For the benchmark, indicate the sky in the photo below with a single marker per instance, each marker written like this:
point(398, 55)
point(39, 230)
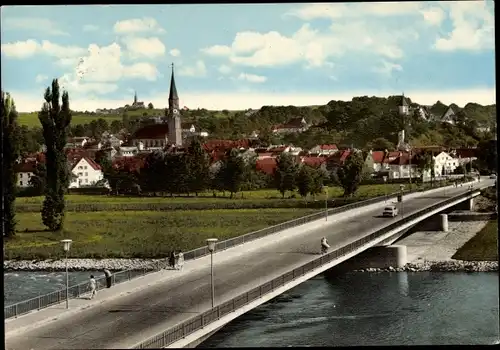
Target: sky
point(239, 56)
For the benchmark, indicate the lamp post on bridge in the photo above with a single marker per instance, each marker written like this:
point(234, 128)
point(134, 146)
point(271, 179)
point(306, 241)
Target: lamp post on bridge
point(211, 247)
point(66, 246)
point(385, 187)
point(325, 188)
point(402, 187)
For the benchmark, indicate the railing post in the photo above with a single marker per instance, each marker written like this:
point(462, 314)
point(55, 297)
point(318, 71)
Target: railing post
point(164, 340)
point(128, 275)
point(234, 307)
point(260, 290)
point(58, 296)
point(15, 311)
point(39, 302)
point(79, 291)
point(184, 330)
point(218, 311)
point(248, 297)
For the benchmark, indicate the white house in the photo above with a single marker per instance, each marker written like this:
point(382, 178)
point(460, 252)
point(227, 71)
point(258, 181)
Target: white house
point(188, 129)
point(292, 126)
point(325, 150)
point(130, 151)
point(87, 173)
point(75, 142)
point(25, 171)
point(444, 164)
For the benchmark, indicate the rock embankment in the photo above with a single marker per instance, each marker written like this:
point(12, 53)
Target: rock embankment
point(84, 264)
point(440, 266)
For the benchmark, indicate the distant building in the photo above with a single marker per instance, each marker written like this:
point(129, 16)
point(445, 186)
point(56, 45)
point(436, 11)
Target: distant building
point(87, 173)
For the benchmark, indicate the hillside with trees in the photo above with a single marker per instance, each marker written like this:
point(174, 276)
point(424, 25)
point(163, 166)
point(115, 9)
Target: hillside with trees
point(364, 122)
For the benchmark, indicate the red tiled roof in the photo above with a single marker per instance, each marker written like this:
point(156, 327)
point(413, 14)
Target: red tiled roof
point(266, 165)
point(378, 156)
point(152, 131)
point(25, 167)
point(92, 163)
point(278, 149)
point(225, 144)
point(295, 123)
point(327, 147)
point(264, 155)
point(313, 161)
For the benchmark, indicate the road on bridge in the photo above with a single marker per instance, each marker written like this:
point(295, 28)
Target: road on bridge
point(131, 319)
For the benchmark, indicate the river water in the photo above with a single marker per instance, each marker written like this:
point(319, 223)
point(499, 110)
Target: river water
point(423, 308)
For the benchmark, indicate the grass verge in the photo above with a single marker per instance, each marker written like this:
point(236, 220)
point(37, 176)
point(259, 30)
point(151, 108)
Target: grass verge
point(138, 234)
point(482, 247)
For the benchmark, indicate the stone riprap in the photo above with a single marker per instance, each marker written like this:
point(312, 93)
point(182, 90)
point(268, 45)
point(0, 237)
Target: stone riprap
point(84, 264)
point(441, 266)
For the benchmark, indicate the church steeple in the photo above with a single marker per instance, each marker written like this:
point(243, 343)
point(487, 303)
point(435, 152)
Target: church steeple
point(135, 98)
point(173, 98)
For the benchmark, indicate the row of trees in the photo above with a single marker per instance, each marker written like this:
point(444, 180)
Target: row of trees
point(190, 173)
point(54, 176)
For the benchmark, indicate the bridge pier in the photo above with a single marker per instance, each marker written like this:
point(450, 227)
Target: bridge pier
point(376, 257)
point(466, 205)
point(444, 222)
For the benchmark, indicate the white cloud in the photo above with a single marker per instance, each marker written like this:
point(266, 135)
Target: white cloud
point(252, 78)
point(27, 102)
point(340, 10)
point(39, 25)
point(90, 28)
point(138, 25)
point(40, 78)
point(313, 46)
point(28, 48)
point(144, 47)
point(175, 52)
point(20, 49)
point(387, 68)
point(433, 15)
point(473, 27)
point(217, 50)
point(224, 69)
point(198, 70)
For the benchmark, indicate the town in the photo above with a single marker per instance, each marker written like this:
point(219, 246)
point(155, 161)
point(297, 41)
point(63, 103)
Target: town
point(169, 134)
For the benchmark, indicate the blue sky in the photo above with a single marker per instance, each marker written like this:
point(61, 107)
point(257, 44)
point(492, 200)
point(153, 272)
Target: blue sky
point(249, 55)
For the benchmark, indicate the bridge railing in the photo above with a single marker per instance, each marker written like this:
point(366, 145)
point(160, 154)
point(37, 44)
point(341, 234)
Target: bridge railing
point(79, 290)
point(198, 322)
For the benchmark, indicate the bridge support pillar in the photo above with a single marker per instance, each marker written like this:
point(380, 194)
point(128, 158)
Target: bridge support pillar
point(375, 257)
point(444, 222)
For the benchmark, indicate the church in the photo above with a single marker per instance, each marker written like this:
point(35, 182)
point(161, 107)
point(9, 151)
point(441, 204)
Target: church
point(167, 133)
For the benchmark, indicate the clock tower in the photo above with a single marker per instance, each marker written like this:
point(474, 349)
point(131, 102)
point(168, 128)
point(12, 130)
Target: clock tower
point(173, 115)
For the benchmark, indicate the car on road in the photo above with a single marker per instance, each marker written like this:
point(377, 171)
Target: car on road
point(390, 211)
point(493, 176)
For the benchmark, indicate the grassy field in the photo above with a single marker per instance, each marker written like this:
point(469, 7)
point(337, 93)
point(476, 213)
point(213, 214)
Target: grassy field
point(333, 192)
point(31, 119)
point(144, 234)
point(482, 247)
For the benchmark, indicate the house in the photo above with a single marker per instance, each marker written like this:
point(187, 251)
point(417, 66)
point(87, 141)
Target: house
point(444, 164)
point(77, 142)
point(399, 168)
point(292, 126)
point(87, 173)
point(278, 149)
point(25, 170)
point(375, 161)
point(128, 151)
point(151, 136)
point(189, 129)
point(448, 116)
point(267, 165)
point(314, 162)
point(324, 150)
point(337, 160)
point(464, 155)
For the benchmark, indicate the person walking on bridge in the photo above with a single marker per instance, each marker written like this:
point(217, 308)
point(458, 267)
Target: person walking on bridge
point(171, 259)
point(180, 260)
point(324, 245)
point(93, 287)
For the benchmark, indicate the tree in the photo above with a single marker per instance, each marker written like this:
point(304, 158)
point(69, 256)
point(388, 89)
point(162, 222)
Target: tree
point(233, 172)
point(55, 119)
point(285, 173)
point(319, 177)
point(425, 162)
point(487, 155)
point(38, 181)
point(198, 167)
point(152, 175)
point(10, 154)
point(305, 180)
point(381, 144)
point(150, 105)
point(349, 175)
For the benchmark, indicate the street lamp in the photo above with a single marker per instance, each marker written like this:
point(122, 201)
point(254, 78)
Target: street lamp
point(66, 246)
point(385, 187)
point(326, 202)
point(211, 247)
point(402, 187)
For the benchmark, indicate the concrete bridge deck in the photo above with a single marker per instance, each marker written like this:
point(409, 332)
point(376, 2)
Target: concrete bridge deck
point(115, 320)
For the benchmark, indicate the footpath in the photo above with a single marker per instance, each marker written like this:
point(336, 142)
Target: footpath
point(27, 322)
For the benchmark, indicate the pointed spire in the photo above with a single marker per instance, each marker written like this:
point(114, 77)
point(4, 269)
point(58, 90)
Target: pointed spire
point(403, 100)
point(173, 89)
point(135, 97)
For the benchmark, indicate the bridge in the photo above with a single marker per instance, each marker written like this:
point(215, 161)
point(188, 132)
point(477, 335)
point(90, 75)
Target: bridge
point(173, 308)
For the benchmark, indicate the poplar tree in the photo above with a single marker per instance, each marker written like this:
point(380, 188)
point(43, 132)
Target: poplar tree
point(10, 154)
point(285, 173)
point(198, 175)
point(55, 119)
point(350, 174)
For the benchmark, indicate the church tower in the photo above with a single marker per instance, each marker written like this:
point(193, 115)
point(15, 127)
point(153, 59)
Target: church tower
point(173, 115)
point(403, 107)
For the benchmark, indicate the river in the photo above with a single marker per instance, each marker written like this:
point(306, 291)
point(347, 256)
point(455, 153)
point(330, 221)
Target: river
point(424, 308)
